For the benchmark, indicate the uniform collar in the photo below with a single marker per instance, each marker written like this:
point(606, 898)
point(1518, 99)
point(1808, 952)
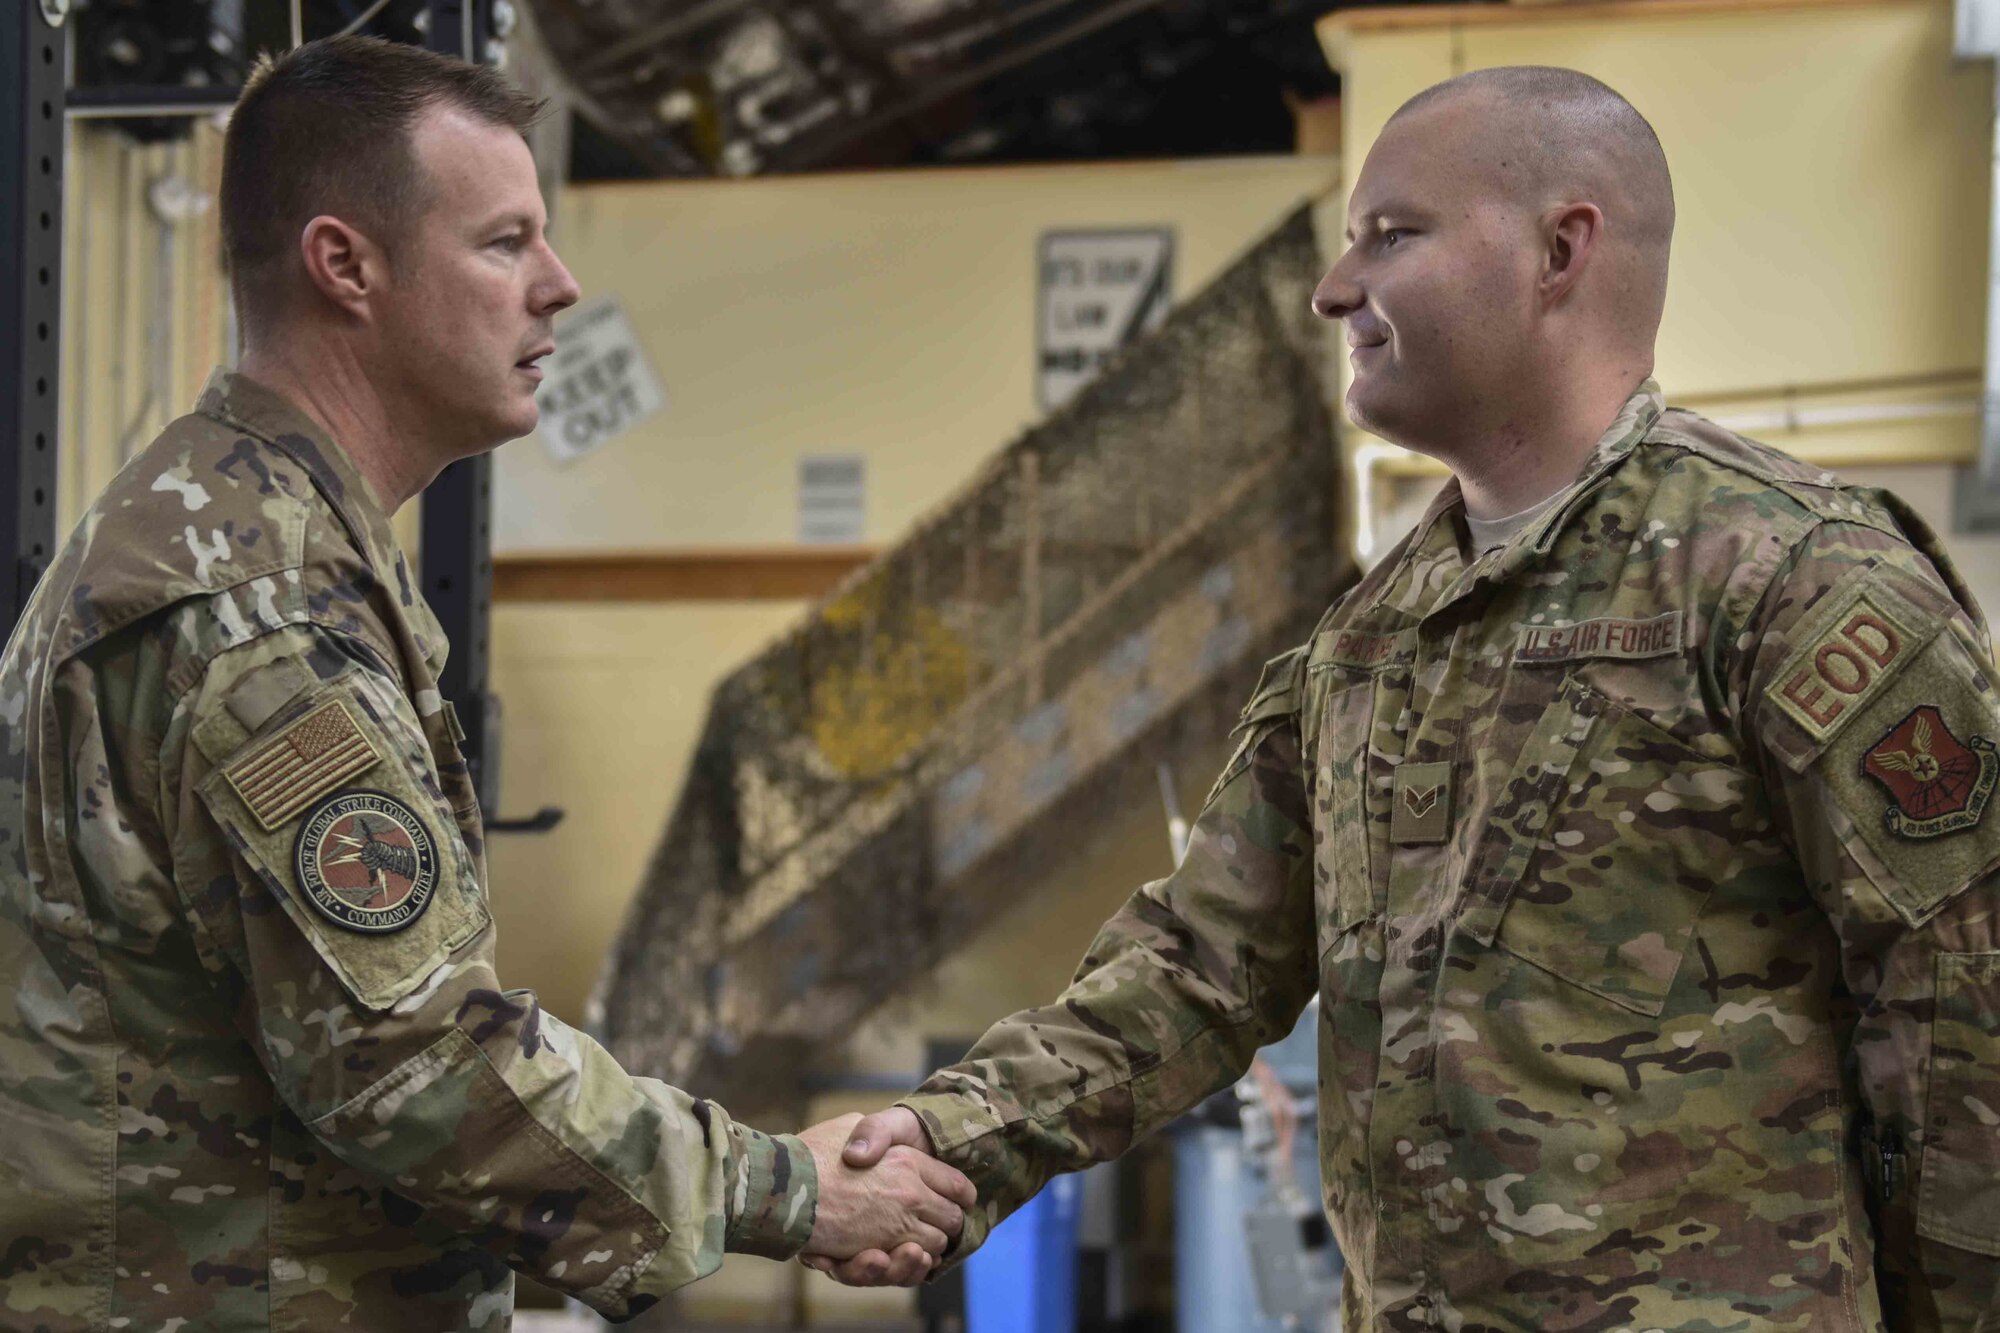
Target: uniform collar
point(1433, 572)
point(236, 400)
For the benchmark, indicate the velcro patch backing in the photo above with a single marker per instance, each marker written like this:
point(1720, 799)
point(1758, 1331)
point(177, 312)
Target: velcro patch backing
point(1913, 775)
point(306, 759)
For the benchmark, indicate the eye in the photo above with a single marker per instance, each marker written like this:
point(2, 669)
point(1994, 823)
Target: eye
point(511, 242)
point(1391, 235)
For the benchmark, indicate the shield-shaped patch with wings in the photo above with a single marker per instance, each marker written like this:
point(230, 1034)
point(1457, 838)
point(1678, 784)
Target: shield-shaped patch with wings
point(1938, 783)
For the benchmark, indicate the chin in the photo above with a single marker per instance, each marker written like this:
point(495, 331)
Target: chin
point(1367, 415)
point(513, 425)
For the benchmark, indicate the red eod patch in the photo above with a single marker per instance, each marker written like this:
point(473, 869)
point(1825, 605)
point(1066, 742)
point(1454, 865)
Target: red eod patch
point(1829, 680)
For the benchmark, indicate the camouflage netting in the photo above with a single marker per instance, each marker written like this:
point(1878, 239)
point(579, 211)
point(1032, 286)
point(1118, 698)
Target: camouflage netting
point(949, 728)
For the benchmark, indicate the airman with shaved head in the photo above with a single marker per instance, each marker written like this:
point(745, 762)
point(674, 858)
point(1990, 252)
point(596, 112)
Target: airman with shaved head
point(1632, 819)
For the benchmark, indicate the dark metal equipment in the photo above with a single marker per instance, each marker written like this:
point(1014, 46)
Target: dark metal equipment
point(32, 60)
point(740, 87)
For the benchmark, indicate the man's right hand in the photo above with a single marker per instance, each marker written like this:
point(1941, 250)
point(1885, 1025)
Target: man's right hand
point(885, 1212)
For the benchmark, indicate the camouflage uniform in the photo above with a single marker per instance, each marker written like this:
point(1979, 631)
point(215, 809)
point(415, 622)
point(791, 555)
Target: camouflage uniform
point(1643, 867)
point(257, 1071)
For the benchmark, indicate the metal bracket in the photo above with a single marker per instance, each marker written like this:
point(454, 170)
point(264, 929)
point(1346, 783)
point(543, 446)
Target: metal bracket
point(32, 67)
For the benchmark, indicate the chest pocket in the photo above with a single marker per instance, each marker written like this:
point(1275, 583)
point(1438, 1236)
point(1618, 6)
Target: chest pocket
point(1344, 869)
point(1349, 908)
point(1602, 848)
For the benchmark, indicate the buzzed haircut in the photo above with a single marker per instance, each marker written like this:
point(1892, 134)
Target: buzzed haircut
point(325, 129)
point(1584, 133)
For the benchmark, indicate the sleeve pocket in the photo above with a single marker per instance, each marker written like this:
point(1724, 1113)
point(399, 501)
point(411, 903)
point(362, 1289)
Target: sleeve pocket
point(1959, 1193)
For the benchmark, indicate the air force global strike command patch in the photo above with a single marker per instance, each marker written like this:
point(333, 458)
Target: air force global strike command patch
point(1939, 784)
point(366, 861)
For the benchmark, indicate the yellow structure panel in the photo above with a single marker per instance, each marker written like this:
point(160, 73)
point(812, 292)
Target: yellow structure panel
point(889, 315)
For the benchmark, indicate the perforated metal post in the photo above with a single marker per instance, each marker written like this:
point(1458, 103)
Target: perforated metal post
point(31, 171)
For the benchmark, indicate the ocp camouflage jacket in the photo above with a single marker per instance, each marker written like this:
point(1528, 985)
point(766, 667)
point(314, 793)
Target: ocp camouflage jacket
point(256, 1071)
point(1644, 867)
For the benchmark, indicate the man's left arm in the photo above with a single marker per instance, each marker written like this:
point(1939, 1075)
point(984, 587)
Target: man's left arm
point(1870, 697)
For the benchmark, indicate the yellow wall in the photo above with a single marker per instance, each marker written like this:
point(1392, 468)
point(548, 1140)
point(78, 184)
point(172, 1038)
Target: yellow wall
point(890, 315)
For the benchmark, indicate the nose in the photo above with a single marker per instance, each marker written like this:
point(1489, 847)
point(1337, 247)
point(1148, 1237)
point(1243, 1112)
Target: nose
point(1337, 295)
point(558, 290)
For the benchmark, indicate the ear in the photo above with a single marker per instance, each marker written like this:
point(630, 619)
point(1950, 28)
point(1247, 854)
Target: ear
point(1570, 236)
point(345, 266)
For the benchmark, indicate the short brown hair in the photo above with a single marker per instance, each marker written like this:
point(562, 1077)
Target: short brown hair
point(325, 129)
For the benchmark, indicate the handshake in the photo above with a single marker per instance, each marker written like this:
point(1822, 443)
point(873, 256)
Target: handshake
point(888, 1209)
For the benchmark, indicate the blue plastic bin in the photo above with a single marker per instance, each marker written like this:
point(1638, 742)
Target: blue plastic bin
point(1023, 1279)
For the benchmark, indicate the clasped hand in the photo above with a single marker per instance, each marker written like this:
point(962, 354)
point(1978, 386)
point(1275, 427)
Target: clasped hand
point(888, 1210)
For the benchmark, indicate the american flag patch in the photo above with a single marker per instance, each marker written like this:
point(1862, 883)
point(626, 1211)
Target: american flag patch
point(318, 751)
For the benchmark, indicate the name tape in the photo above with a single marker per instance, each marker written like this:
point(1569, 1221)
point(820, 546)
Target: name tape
point(1363, 648)
point(1611, 636)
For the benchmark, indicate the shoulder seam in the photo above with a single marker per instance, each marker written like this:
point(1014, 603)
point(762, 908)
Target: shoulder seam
point(286, 560)
point(1812, 497)
point(198, 670)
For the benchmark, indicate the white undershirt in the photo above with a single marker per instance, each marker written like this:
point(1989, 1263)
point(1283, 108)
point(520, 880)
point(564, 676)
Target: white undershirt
point(1489, 534)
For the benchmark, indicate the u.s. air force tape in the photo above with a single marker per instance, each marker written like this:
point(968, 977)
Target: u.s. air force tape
point(366, 861)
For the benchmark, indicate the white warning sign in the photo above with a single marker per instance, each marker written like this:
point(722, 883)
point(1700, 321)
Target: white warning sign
point(1099, 291)
point(599, 383)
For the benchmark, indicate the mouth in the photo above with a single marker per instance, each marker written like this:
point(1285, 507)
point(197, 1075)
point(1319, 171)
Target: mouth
point(529, 364)
point(1358, 350)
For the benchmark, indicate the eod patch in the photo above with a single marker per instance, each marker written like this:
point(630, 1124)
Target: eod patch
point(366, 861)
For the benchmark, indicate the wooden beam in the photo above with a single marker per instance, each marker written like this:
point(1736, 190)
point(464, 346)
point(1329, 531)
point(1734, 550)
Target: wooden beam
point(729, 574)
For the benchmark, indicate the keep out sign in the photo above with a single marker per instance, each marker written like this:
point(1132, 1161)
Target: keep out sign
point(600, 383)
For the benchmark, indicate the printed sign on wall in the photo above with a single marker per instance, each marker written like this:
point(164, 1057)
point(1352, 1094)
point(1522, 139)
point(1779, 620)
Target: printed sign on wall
point(1099, 291)
point(599, 383)
point(833, 498)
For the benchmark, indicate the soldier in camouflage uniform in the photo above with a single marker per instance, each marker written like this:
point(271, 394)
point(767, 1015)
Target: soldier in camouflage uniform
point(1644, 859)
point(256, 1070)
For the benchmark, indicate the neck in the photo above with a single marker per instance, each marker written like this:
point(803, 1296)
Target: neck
point(325, 380)
point(1537, 451)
